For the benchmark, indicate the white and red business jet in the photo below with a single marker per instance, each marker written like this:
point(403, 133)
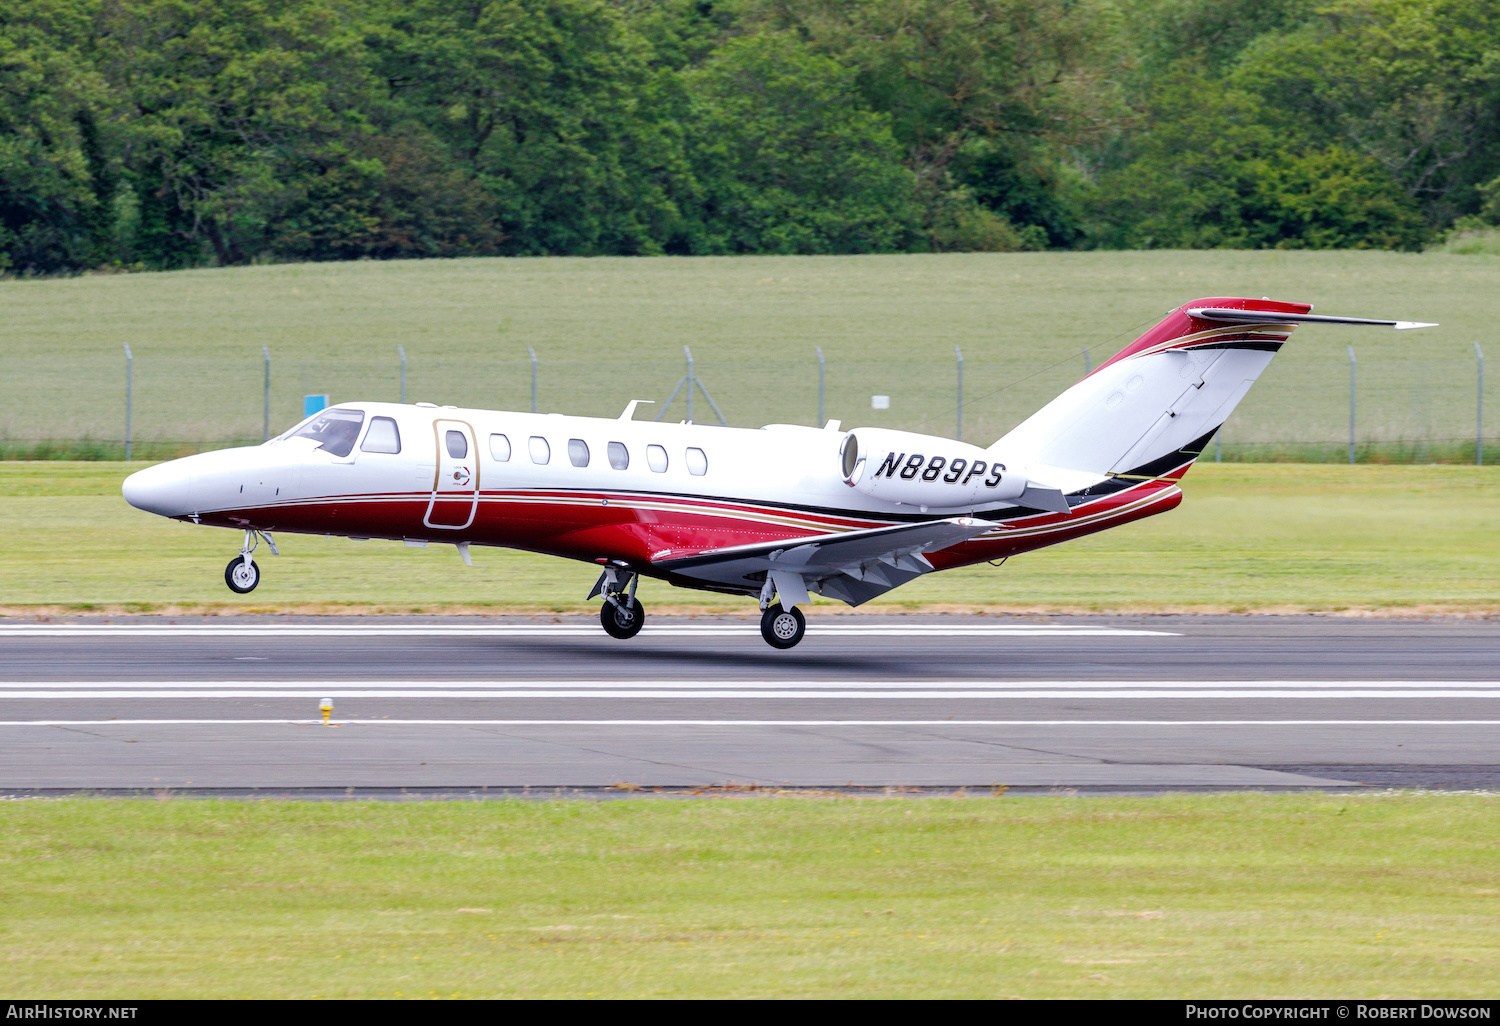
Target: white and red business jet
point(775, 513)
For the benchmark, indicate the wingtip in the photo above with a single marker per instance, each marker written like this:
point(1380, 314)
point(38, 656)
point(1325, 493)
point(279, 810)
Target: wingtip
point(1405, 325)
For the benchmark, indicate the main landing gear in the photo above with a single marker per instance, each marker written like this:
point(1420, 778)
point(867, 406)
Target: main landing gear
point(621, 614)
point(243, 573)
point(782, 628)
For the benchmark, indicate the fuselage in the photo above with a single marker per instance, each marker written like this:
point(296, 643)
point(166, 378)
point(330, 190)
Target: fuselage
point(636, 493)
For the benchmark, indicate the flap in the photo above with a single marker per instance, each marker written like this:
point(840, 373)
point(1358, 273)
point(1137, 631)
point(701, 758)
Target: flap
point(864, 563)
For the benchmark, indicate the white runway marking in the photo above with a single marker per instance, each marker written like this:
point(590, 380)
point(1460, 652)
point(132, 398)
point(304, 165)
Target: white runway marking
point(658, 689)
point(763, 723)
point(547, 630)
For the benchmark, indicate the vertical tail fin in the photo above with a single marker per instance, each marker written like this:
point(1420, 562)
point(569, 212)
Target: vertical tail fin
point(1150, 409)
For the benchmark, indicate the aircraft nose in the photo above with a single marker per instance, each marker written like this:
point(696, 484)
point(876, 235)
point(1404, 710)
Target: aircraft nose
point(162, 489)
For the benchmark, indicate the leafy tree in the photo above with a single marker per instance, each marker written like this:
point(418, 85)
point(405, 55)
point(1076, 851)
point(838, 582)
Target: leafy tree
point(56, 182)
point(225, 101)
point(1414, 85)
point(172, 133)
point(1204, 37)
point(789, 160)
point(1209, 172)
point(392, 196)
point(983, 94)
point(553, 106)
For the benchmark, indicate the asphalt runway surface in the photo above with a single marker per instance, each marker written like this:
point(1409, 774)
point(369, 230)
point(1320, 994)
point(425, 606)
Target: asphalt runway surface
point(468, 706)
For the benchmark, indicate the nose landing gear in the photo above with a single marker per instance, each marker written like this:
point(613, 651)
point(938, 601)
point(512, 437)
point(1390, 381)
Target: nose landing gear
point(243, 573)
point(622, 614)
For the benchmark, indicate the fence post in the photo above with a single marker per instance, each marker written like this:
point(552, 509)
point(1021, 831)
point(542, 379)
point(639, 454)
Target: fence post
point(265, 410)
point(401, 350)
point(1479, 411)
point(692, 379)
point(533, 377)
point(129, 369)
point(1353, 365)
point(822, 374)
point(960, 354)
point(1088, 364)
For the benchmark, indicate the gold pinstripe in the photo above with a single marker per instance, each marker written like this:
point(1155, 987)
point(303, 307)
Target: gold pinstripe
point(1272, 332)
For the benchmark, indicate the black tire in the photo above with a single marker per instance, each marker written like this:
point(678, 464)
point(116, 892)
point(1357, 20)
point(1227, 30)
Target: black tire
point(782, 628)
point(623, 620)
point(239, 581)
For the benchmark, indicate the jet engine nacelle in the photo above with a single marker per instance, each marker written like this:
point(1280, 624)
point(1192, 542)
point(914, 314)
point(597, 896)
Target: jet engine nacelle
point(924, 470)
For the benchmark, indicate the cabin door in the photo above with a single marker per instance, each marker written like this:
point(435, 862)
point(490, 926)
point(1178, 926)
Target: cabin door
point(455, 490)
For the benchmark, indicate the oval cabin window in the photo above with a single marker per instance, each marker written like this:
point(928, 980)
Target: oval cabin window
point(578, 452)
point(619, 456)
point(500, 448)
point(697, 462)
point(458, 445)
point(656, 458)
point(541, 452)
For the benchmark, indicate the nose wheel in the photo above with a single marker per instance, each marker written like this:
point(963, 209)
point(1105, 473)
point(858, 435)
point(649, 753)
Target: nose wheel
point(243, 574)
point(782, 628)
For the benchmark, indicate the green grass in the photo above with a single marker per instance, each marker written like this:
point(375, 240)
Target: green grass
point(1247, 537)
point(609, 330)
point(1473, 242)
point(1204, 896)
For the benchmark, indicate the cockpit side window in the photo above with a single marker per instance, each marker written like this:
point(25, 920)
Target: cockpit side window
point(383, 436)
point(335, 430)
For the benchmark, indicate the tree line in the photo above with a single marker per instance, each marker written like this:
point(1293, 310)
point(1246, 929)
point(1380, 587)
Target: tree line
point(177, 133)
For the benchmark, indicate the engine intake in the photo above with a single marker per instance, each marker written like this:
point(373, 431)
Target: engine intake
point(925, 470)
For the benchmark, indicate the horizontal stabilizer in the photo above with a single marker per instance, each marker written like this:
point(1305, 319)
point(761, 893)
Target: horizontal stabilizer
point(1274, 317)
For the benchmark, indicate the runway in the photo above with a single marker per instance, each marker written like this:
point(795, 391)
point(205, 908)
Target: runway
point(482, 706)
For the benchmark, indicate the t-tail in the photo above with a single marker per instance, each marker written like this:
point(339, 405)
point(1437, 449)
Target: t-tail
point(1149, 411)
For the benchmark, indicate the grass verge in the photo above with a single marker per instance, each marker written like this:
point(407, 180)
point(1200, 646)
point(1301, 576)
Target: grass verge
point(607, 330)
point(1211, 895)
point(1248, 538)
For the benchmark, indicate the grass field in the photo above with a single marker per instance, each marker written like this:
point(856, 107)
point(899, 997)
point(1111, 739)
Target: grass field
point(609, 330)
point(1248, 537)
point(1188, 896)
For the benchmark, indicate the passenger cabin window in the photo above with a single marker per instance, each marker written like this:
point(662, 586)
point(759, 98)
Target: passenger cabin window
point(383, 436)
point(541, 452)
point(458, 444)
point(578, 452)
point(500, 448)
point(656, 458)
point(697, 462)
point(619, 456)
point(334, 430)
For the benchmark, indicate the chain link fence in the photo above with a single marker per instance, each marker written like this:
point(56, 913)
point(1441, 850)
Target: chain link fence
point(1420, 410)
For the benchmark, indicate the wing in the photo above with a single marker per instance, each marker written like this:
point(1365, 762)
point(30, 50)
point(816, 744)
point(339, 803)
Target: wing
point(853, 567)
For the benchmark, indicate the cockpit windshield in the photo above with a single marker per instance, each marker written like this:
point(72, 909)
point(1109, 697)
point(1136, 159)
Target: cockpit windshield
point(334, 430)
